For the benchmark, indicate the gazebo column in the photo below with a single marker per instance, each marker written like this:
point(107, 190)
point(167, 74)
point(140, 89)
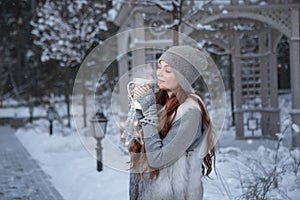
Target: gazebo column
point(238, 98)
point(275, 114)
point(295, 76)
point(138, 61)
point(138, 53)
point(264, 92)
point(123, 72)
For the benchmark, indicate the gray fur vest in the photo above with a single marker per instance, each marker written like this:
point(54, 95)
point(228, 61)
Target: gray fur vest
point(179, 181)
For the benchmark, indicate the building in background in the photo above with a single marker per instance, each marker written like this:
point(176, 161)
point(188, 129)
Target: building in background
point(244, 36)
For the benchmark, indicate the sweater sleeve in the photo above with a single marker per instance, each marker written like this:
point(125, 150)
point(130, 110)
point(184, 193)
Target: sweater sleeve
point(183, 133)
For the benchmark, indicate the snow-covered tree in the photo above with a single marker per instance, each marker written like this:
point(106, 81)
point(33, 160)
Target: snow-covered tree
point(15, 43)
point(67, 30)
point(180, 10)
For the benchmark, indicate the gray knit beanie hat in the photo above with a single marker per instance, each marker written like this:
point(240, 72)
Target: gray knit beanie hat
point(187, 63)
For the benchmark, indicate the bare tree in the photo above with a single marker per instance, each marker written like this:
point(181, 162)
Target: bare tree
point(176, 13)
point(262, 181)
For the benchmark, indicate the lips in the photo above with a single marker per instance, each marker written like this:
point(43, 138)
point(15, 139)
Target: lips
point(160, 81)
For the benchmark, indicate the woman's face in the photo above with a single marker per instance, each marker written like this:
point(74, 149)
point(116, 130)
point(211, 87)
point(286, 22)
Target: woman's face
point(166, 77)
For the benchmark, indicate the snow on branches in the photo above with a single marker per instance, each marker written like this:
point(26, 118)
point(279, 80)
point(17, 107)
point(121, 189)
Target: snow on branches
point(65, 30)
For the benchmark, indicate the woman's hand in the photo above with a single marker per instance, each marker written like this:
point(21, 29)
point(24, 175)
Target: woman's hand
point(145, 96)
point(140, 90)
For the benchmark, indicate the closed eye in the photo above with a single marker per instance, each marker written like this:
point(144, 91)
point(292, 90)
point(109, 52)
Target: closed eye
point(168, 70)
point(165, 67)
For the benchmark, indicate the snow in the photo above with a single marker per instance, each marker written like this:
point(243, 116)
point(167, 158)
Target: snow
point(176, 2)
point(204, 27)
point(296, 128)
point(72, 167)
point(199, 4)
point(174, 23)
point(224, 12)
point(102, 25)
point(51, 28)
point(19, 112)
point(112, 13)
point(166, 5)
point(279, 136)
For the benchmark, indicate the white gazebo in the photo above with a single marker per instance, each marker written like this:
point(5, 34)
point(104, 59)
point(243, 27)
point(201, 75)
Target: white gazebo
point(248, 30)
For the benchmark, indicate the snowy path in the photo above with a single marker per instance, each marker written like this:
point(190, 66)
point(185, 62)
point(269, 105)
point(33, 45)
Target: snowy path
point(21, 177)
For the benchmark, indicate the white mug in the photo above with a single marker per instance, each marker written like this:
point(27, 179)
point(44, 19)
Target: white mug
point(140, 82)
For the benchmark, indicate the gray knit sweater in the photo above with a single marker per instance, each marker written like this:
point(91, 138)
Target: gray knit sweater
point(175, 155)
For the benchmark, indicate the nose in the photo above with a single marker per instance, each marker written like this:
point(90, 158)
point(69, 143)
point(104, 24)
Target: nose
point(158, 72)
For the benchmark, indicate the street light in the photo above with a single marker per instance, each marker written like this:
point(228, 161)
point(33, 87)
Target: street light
point(99, 135)
point(30, 105)
point(51, 116)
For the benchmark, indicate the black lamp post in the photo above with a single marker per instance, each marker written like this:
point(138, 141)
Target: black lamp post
point(51, 116)
point(99, 135)
point(30, 105)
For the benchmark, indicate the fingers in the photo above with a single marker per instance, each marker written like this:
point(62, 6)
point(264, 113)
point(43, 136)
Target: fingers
point(147, 86)
point(140, 90)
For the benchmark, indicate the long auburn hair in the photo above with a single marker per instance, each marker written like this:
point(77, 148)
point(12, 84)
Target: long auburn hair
point(138, 160)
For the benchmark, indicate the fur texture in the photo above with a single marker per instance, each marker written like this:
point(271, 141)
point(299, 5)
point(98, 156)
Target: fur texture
point(179, 181)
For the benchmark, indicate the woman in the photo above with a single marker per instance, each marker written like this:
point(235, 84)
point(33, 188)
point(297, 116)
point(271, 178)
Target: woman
point(165, 162)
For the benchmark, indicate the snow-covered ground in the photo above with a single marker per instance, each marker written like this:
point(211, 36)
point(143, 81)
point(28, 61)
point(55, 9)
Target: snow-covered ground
point(242, 166)
point(72, 168)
